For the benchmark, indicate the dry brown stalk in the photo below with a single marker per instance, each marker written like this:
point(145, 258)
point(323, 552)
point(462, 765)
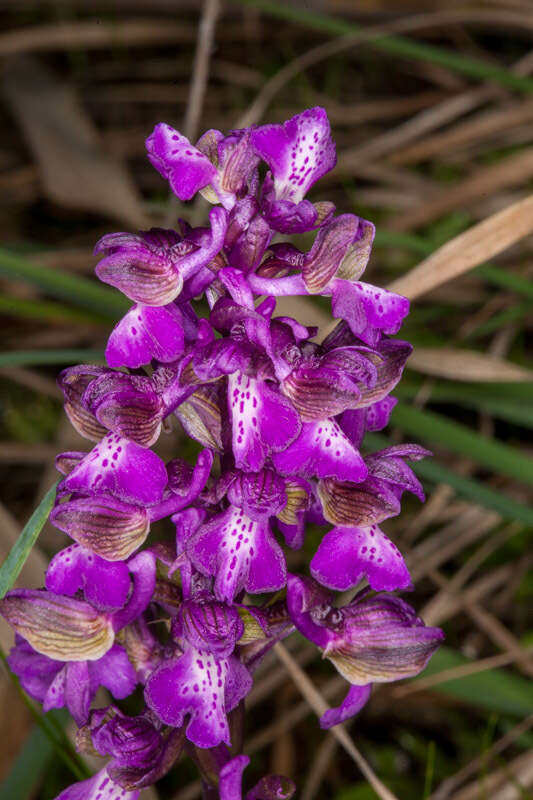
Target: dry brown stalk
point(466, 365)
point(92, 35)
point(422, 684)
point(514, 170)
point(482, 126)
point(471, 248)
point(319, 705)
point(508, 782)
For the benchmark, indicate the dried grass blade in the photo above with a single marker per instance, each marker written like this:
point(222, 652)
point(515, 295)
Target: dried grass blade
point(319, 705)
point(471, 248)
point(465, 365)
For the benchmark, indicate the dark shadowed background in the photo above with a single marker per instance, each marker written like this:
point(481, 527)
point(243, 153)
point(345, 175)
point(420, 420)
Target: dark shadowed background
point(431, 106)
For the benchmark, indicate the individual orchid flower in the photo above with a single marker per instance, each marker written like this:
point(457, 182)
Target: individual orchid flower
point(298, 152)
point(204, 679)
point(237, 546)
point(142, 749)
point(66, 647)
point(370, 640)
point(151, 267)
point(332, 267)
point(117, 491)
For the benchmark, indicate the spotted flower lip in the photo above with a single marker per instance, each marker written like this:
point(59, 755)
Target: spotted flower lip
point(146, 333)
point(183, 165)
point(299, 152)
point(281, 418)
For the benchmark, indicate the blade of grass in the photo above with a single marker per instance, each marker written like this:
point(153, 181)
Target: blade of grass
point(469, 249)
point(488, 272)
point(511, 410)
point(491, 689)
point(395, 45)
point(76, 289)
point(32, 358)
point(29, 768)
point(44, 309)
point(479, 493)
point(10, 569)
point(436, 429)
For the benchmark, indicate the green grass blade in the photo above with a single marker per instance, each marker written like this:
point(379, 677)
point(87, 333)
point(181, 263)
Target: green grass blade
point(29, 768)
point(76, 289)
point(469, 488)
point(33, 358)
point(435, 429)
point(483, 397)
point(395, 45)
point(505, 279)
point(506, 317)
point(43, 309)
point(10, 569)
point(492, 690)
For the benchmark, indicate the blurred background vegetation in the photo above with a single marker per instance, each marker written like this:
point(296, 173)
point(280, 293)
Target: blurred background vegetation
point(431, 106)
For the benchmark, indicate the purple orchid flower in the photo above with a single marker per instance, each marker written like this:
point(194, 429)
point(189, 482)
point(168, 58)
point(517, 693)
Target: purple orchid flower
point(69, 648)
point(150, 268)
point(204, 679)
point(374, 640)
point(99, 787)
point(281, 417)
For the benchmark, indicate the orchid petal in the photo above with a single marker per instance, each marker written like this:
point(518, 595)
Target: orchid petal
point(146, 332)
point(322, 450)
point(176, 159)
point(121, 468)
point(298, 152)
point(352, 704)
point(345, 555)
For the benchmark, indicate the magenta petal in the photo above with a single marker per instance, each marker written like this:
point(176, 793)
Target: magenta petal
point(352, 704)
point(55, 693)
point(367, 309)
point(78, 690)
point(143, 570)
point(322, 450)
point(378, 414)
point(176, 159)
point(262, 420)
point(119, 467)
point(115, 672)
point(106, 584)
point(345, 555)
point(240, 552)
point(230, 777)
point(146, 332)
point(99, 787)
point(238, 683)
point(303, 595)
point(192, 685)
point(298, 152)
point(35, 671)
point(384, 310)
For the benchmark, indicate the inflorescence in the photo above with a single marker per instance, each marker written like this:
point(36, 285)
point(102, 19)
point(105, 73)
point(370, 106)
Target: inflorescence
point(280, 418)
